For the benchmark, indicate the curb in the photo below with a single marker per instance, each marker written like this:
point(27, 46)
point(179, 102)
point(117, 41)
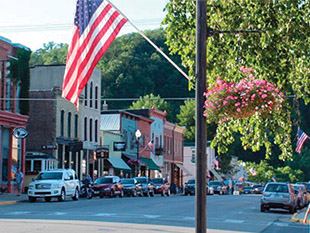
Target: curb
point(295, 219)
point(7, 203)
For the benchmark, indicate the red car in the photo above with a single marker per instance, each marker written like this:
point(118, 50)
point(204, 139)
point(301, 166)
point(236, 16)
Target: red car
point(109, 186)
point(161, 186)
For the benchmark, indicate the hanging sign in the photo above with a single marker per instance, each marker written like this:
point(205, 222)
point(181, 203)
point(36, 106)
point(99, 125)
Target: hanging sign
point(20, 133)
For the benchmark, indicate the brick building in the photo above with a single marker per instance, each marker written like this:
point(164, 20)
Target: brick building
point(12, 149)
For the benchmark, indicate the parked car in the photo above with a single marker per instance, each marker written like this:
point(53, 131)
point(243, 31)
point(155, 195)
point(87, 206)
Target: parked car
point(130, 187)
point(109, 186)
point(146, 186)
point(258, 189)
point(279, 195)
point(58, 183)
point(300, 196)
point(218, 187)
point(190, 187)
point(247, 190)
point(161, 186)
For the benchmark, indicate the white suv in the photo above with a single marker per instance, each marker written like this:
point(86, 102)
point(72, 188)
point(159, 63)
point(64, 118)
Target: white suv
point(57, 183)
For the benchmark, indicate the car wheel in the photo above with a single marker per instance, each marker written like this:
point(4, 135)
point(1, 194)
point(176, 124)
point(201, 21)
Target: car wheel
point(101, 195)
point(62, 196)
point(76, 195)
point(134, 193)
point(121, 195)
point(90, 194)
point(111, 194)
point(47, 199)
point(32, 199)
point(262, 208)
point(221, 192)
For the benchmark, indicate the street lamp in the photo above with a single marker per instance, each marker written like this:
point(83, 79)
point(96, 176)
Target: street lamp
point(138, 135)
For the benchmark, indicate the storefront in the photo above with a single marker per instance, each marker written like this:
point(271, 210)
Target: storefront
point(12, 152)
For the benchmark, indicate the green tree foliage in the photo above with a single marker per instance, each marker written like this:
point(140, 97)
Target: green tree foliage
point(131, 68)
point(149, 101)
point(280, 56)
point(50, 54)
point(264, 173)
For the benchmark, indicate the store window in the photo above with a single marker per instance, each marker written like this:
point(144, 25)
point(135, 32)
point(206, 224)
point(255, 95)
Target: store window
point(37, 165)
point(16, 156)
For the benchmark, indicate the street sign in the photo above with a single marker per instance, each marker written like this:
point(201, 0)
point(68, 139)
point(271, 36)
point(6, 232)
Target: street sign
point(49, 147)
point(20, 133)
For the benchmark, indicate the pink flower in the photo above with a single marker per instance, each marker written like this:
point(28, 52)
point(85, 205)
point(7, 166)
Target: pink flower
point(238, 110)
point(237, 104)
point(225, 102)
point(264, 96)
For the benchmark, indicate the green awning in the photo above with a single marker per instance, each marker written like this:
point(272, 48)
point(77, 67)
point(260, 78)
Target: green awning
point(150, 163)
point(119, 164)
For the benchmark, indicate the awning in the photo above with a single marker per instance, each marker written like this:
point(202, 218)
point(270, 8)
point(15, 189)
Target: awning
point(150, 163)
point(187, 172)
point(119, 164)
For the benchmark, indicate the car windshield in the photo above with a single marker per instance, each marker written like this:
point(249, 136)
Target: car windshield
point(279, 188)
point(49, 176)
point(142, 180)
point(215, 183)
point(128, 181)
point(191, 182)
point(104, 181)
point(158, 181)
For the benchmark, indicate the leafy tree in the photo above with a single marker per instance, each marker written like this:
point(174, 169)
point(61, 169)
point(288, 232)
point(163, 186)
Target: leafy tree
point(50, 54)
point(280, 56)
point(149, 101)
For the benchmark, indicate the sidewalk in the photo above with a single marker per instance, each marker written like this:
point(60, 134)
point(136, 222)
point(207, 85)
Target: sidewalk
point(299, 216)
point(10, 198)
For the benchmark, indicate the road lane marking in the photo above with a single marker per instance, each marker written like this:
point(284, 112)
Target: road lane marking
point(105, 214)
point(189, 218)
point(58, 213)
point(234, 221)
point(151, 216)
point(18, 213)
point(281, 224)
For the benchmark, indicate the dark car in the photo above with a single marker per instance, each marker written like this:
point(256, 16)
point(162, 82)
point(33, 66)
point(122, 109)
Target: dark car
point(145, 185)
point(130, 187)
point(190, 187)
point(247, 190)
point(109, 186)
point(161, 186)
point(218, 187)
point(258, 189)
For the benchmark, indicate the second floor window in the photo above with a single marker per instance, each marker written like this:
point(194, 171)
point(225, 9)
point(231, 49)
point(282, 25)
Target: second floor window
point(76, 125)
point(91, 130)
point(96, 130)
point(85, 128)
point(62, 118)
point(91, 95)
point(96, 98)
point(69, 125)
point(85, 95)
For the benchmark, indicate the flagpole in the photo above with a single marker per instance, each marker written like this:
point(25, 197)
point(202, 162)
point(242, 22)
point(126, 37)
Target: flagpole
point(154, 45)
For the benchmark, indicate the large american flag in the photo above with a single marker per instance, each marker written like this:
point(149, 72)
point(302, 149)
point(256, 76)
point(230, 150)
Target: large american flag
point(302, 138)
point(96, 24)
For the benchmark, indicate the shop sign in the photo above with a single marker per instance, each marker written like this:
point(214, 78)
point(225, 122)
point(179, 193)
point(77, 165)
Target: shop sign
point(20, 133)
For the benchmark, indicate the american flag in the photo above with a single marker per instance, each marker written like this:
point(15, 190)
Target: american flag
point(302, 138)
point(96, 24)
point(151, 146)
point(252, 171)
point(216, 162)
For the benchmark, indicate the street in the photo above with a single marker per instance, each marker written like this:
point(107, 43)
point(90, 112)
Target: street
point(225, 213)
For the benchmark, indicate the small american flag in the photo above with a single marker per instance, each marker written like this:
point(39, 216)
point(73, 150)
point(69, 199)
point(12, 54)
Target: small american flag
point(302, 138)
point(96, 24)
point(252, 171)
point(151, 146)
point(216, 162)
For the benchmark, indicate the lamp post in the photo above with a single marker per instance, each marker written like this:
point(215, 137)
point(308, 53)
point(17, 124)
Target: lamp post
point(138, 135)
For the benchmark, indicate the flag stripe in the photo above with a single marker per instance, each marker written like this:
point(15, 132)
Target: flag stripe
point(302, 138)
point(81, 46)
point(86, 49)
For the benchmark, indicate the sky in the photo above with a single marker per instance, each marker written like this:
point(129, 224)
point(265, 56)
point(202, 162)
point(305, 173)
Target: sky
point(35, 22)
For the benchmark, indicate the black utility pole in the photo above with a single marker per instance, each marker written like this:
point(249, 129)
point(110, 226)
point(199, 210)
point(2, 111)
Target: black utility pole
point(200, 137)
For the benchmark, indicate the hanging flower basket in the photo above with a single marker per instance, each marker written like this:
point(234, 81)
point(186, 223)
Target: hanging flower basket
point(226, 101)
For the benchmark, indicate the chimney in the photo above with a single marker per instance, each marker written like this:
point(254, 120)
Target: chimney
point(104, 106)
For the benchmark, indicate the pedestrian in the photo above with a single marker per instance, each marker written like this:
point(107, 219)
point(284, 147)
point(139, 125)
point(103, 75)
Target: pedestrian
point(19, 181)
